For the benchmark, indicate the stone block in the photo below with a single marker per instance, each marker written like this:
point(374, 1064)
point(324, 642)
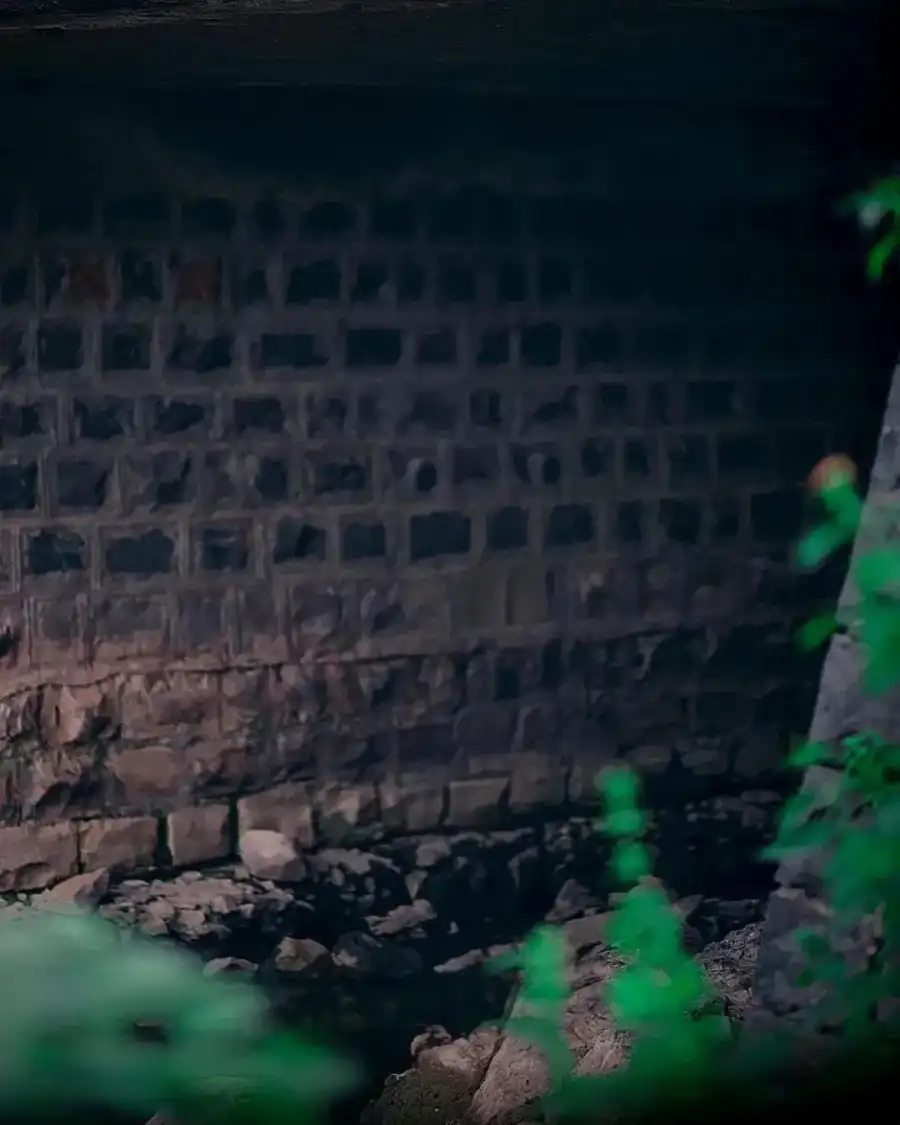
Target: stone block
point(478, 802)
point(126, 843)
point(125, 626)
point(271, 855)
point(71, 715)
point(417, 806)
point(81, 890)
point(529, 596)
point(582, 787)
point(476, 599)
point(32, 858)
point(149, 777)
point(200, 835)
point(343, 812)
point(287, 809)
point(536, 781)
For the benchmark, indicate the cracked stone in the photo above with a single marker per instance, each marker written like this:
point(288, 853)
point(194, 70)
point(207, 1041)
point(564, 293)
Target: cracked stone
point(271, 855)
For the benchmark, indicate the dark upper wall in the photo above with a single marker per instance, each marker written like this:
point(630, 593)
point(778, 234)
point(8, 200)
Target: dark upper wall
point(729, 52)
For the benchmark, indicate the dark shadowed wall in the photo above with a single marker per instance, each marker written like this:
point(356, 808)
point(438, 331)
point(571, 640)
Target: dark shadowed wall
point(383, 463)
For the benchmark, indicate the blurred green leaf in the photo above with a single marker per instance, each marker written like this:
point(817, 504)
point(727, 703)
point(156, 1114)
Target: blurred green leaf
point(630, 862)
point(819, 543)
point(881, 252)
point(73, 993)
point(815, 632)
point(620, 789)
point(808, 754)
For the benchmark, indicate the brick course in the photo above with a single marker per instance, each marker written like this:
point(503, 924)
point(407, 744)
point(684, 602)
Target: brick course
point(394, 488)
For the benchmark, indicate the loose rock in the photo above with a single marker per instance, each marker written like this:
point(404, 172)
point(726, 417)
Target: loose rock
point(370, 956)
point(271, 855)
point(301, 955)
point(504, 1075)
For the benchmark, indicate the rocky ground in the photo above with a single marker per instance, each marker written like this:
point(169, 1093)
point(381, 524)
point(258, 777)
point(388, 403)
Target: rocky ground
point(382, 951)
point(491, 1077)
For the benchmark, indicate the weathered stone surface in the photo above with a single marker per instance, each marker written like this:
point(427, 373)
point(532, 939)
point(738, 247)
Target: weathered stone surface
point(271, 855)
point(128, 842)
point(35, 857)
point(416, 806)
point(174, 706)
point(536, 781)
point(476, 802)
point(287, 809)
point(78, 714)
point(343, 812)
point(221, 912)
point(409, 916)
point(228, 966)
point(843, 706)
point(88, 889)
point(370, 956)
point(490, 1077)
point(200, 835)
point(301, 955)
point(148, 776)
point(52, 753)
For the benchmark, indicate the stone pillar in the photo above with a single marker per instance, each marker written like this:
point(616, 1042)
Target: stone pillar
point(842, 707)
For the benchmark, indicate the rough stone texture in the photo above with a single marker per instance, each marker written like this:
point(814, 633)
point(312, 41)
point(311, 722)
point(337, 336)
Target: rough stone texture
point(449, 897)
point(200, 835)
point(271, 855)
point(381, 944)
point(491, 1076)
point(37, 856)
point(842, 707)
point(423, 495)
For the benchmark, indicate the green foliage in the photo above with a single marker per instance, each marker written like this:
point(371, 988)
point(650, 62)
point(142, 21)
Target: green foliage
point(846, 818)
point(75, 993)
point(878, 209)
point(661, 995)
point(540, 1008)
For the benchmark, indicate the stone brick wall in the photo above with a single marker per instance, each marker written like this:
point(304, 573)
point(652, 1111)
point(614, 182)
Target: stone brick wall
point(407, 500)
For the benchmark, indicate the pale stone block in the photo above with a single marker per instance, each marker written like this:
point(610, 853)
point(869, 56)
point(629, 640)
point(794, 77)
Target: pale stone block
point(200, 835)
point(287, 809)
point(125, 843)
point(271, 855)
point(36, 856)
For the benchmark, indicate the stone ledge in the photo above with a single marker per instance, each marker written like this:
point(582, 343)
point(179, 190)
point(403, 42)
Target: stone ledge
point(33, 857)
point(310, 820)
